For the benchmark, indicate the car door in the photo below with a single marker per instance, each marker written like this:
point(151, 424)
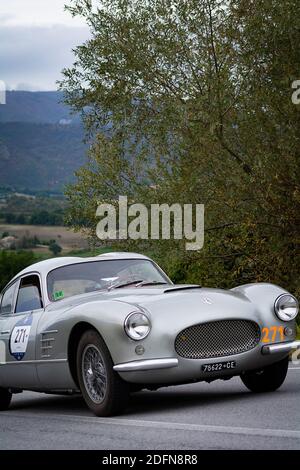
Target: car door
point(18, 332)
point(7, 303)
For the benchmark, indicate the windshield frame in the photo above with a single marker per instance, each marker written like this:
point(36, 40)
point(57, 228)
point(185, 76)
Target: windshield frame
point(163, 274)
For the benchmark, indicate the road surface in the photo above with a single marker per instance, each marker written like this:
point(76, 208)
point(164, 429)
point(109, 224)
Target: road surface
point(220, 415)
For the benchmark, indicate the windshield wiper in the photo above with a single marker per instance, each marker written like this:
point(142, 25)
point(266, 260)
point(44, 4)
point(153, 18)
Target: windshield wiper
point(151, 283)
point(125, 284)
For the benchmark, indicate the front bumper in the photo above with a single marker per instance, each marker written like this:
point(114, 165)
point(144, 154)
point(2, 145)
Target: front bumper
point(148, 364)
point(178, 369)
point(280, 348)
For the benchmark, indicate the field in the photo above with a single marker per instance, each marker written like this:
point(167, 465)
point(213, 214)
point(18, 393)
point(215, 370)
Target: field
point(67, 239)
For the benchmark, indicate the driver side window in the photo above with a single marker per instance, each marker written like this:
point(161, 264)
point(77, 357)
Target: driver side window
point(29, 295)
point(7, 301)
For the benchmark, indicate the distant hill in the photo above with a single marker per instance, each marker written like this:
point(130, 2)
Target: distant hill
point(41, 144)
point(39, 156)
point(27, 106)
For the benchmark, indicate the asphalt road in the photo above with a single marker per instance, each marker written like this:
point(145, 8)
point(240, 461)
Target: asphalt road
point(220, 415)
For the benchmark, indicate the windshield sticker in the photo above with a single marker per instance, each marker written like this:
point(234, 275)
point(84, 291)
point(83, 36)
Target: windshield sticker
point(59, 295)
point(19, 338)
point(2, 353)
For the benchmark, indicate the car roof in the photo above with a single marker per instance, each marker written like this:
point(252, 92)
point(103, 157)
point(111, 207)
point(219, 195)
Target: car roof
point(44, 267)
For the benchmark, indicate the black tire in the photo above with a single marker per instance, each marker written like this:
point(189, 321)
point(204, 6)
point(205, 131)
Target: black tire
point(100, 378)
point(5, 399)
point(268, 379)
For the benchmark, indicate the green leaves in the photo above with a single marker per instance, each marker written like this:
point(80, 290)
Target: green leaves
point(190, 101)
point(12, 262)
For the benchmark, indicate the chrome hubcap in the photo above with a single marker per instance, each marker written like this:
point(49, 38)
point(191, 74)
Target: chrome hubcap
point(94, 373)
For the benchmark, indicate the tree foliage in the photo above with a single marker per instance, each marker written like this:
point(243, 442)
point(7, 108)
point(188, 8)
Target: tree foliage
point(55, 248)
point(12, 262)
point(190, 101)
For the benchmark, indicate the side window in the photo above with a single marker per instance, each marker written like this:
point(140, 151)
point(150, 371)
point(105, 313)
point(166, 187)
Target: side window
point(7, 301)
point(29, 295)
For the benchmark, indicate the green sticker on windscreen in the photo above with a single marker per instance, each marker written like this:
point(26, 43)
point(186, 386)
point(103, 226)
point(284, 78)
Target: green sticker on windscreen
point(59, 295)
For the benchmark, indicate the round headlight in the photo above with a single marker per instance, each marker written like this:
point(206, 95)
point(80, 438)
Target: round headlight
point(137, 326)
point(286, 307)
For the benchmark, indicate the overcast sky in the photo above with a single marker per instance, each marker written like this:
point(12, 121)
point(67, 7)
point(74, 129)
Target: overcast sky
point(36, 41)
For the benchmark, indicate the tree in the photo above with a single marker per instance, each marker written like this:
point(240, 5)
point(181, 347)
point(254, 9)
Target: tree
point(55, 248)
point(12, 262)
point(190, 101)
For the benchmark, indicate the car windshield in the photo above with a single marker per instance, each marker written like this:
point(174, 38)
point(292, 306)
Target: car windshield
point(91, 276)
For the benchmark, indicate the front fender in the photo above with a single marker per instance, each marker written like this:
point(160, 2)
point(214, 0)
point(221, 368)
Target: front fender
point(264, 295)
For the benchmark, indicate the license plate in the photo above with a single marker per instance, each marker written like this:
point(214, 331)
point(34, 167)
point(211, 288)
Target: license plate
point(218, 366)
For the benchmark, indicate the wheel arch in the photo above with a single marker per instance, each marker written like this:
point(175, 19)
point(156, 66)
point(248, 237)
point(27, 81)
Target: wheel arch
point(77, 331)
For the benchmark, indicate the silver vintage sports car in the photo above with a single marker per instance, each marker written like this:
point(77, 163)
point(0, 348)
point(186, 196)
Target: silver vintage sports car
point(110, 325)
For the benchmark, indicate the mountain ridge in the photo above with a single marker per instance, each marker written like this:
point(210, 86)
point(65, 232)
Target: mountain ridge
point(36, 106)
point(41, 142)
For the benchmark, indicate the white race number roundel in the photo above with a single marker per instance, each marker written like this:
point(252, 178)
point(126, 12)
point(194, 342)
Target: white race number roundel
point(19, 338)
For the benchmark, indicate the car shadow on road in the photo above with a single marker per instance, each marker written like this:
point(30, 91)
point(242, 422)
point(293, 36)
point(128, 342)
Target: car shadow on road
point(164, 399)
point(44, 403)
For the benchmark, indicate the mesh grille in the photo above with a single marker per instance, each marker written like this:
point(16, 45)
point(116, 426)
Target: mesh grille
point(216, 339)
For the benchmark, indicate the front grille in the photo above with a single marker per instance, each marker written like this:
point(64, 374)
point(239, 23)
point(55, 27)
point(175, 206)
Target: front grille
point(217, 338)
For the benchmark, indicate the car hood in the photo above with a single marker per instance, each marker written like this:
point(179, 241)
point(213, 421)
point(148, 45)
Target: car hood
point(173, 309)
point(171, 300)
point(189, 300)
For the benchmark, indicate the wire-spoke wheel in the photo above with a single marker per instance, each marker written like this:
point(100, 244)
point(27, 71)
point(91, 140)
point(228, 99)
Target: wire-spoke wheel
point(94, 373)
point(102, 388)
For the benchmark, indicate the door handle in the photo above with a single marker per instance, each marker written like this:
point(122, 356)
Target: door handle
point(5, 332)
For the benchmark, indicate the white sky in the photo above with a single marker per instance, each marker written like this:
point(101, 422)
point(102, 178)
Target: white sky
point(36, 42)
point(36, 12)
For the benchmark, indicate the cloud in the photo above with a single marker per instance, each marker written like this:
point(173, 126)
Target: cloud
point(35, 56)
point(37, 12)
point(6, 18)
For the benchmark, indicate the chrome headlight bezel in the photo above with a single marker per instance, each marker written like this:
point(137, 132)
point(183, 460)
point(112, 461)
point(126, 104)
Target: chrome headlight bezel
point(279, 311)
point(143, 321)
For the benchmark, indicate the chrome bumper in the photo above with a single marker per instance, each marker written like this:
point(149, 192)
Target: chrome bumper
point(279, 348)
point(154, 364)
point(148, 364)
